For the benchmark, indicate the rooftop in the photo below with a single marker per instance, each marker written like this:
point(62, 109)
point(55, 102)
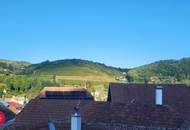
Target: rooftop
point(44, 110)
point(173, 94)
point(69, 93)
point(129, 105)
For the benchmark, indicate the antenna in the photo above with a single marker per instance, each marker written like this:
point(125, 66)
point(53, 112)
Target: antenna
point(78, 105)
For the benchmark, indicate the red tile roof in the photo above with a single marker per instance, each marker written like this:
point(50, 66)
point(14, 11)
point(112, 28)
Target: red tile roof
point(44, 110)
point(120, 112)
point(173, 94)
point(15, 107)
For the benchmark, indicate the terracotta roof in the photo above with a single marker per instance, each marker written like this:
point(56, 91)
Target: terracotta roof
point(65, 93)
point(15, 107)
point(173, 94)
point(41, 111)
point(130, 106)
point(64, 89)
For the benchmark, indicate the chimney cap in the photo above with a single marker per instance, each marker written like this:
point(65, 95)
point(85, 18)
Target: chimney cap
point(76, 110)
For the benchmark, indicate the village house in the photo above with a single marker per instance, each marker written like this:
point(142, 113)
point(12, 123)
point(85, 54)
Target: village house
point(129, 107)
point(15, 107)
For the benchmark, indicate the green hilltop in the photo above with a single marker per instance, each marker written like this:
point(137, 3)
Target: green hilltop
point(72, 67)
point(165, 71)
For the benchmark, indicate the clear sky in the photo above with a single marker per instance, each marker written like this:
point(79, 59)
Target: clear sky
point(121, 33)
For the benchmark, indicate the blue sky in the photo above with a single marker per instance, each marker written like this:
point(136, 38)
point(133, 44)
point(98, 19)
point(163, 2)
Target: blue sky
point(121, 33)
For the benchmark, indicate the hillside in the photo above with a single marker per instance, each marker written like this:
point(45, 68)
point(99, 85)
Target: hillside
point(12, 67)
point(23, 78)
point(166, 71)
point(75, 69)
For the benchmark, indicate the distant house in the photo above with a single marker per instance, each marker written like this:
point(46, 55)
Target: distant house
point(65, 93)
point(15, 107)
point(129, 107)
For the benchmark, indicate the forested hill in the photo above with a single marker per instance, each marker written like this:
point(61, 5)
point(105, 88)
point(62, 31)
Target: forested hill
point(166, 71)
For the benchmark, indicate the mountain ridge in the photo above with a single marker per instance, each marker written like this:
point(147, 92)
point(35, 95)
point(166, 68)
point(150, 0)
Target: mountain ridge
point(163, 71)
point(28, 79)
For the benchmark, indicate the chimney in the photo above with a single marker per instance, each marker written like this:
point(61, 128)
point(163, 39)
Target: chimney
point(76, 119)
point(159, 95)
point(51, 126)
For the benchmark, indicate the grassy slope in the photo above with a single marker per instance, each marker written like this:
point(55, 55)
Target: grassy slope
point(75, 69)
point(170, 71)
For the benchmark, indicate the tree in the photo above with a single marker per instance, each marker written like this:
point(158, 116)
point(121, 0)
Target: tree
point(54, 78)
point(3, 89)
point(90, 87)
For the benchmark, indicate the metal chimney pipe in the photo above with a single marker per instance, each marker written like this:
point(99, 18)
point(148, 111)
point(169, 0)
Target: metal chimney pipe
point(51, 126)
point(76, 119)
